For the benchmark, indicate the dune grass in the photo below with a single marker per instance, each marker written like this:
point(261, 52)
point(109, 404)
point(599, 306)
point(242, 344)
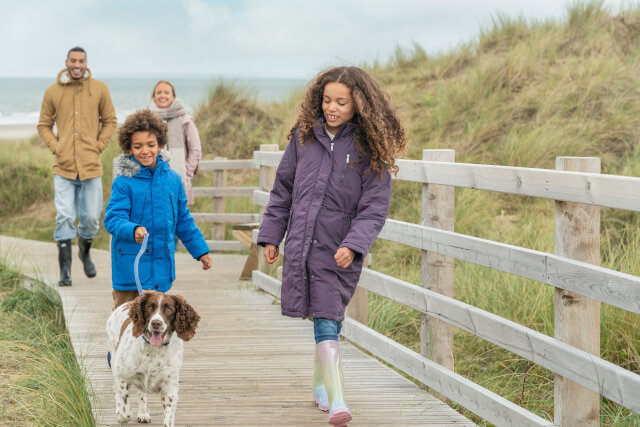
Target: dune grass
point(41, 383)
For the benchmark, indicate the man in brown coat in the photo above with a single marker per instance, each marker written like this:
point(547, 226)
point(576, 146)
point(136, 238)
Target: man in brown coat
point(83, 113)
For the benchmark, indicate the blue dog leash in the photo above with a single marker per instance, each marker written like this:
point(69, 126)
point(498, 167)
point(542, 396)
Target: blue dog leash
point(137, 262)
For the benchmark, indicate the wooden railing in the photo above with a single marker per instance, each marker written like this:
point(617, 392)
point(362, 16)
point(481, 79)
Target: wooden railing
point(218, 192)
point(580, 283)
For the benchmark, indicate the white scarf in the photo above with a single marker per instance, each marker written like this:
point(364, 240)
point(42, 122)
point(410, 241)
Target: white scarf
point(175, 135)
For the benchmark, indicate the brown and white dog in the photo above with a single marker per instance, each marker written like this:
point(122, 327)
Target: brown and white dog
point(145, 338)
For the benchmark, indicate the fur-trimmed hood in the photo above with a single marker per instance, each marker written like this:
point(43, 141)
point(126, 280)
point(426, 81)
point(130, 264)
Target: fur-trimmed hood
point(127, 165)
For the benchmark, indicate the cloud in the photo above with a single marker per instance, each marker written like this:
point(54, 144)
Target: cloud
point(204, 17)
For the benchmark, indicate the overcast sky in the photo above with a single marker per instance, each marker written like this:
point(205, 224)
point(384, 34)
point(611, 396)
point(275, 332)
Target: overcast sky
point(243, 38)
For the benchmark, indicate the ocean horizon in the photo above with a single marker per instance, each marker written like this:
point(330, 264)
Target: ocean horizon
point(22, 96)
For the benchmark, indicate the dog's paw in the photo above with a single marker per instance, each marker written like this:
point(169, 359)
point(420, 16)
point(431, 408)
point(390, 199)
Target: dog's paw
point(124, 418)
point(144, 418)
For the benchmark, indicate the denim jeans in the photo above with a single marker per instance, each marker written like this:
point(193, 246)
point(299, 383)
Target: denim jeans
point(82, 198)
point(326, 329)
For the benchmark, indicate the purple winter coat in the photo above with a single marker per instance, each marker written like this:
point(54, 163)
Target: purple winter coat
point(323, 200)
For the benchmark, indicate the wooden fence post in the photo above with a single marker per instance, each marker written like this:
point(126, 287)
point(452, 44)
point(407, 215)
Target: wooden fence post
point(438, 201)
point(577, 318)
point(267, 178)
point(219, 204)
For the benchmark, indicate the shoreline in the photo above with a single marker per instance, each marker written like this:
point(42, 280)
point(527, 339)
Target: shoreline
point(14, 132)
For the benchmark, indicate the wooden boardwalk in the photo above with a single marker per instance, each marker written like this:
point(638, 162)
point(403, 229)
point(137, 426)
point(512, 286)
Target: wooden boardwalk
point(247, 365)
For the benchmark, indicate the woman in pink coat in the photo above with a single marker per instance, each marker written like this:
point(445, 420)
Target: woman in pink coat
point(184, 140)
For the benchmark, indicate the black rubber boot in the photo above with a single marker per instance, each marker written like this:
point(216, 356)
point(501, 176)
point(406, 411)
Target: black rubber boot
point(83, 252)
point(64, 260)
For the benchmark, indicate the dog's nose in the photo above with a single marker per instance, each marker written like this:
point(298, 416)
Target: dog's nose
point(156, 324)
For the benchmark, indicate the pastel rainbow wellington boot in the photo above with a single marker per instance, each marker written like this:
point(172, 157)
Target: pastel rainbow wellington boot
point(331, 371)
point(320, 397)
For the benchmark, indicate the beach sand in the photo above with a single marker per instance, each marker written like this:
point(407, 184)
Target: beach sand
point(17, 131)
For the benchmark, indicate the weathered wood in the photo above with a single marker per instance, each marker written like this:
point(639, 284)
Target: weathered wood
point(479, 400)
point(603, 190)
point(267, 283)
point(577, 319)
point(268, 157)
point(226, 246)
point(614, 382)
point(227, 218)
point(220, 164)
point(235, 371)
point(218, 204)
point(609, 286)
point(436, 337)
point(261, 198)
point(358, 307)
point(267, 178)
point(224, 191)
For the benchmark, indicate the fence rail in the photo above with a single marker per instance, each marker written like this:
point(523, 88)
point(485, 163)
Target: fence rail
point(582, 376)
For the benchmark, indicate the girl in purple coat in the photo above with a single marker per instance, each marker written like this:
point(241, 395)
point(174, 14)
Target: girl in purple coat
point(331, 196)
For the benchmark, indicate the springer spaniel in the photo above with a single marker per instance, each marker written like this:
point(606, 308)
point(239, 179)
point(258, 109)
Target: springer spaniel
point(145, 338)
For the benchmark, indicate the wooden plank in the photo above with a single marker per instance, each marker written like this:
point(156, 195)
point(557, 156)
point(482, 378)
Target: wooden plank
point(609, 286)
point(226, 246)
point(268, 158)
point(243, 236)
point(267, 283)
point(614, 382)
point(224, 191)
point(227, 164)
point(598, 189)
point(228, 218)
point(477, 399)
point(261, 198)
point(577, 319)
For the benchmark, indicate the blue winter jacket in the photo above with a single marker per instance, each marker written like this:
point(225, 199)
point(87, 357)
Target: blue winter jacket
point(157, 201)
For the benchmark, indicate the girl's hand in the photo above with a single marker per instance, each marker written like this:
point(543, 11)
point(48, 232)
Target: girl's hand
point(271, 253)
point(344, 256)
point(139, 234)
point(206, 261)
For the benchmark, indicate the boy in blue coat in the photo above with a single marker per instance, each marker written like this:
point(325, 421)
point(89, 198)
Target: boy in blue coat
point(148, 197)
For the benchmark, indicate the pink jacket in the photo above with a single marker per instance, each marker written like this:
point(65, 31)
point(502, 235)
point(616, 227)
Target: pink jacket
point(193, 153)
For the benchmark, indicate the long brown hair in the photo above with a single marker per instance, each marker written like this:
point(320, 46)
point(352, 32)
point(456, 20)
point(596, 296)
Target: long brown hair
point(377, 128)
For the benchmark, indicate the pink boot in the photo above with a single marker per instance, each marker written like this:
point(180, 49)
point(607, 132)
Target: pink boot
point(331, 371)
point(320, 397)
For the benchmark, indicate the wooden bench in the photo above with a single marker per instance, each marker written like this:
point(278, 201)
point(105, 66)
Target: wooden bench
point(244, 234)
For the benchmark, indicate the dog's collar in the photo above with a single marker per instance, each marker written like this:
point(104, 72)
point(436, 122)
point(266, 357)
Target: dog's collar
point(147, 341)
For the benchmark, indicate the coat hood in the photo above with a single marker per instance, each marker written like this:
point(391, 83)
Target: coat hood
point(127, 165)
point(64, 79)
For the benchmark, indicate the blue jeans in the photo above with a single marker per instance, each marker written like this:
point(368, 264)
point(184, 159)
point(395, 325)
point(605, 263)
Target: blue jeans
point(326, 329)
point(82, 198)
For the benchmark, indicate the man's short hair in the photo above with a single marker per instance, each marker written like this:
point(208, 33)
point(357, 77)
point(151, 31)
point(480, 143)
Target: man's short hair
point(76, 49)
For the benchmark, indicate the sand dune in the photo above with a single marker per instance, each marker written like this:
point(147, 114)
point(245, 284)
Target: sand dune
point(17, 131)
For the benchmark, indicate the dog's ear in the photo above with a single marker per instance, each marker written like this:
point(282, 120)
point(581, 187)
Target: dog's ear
point(136, 313)
point(186, 319)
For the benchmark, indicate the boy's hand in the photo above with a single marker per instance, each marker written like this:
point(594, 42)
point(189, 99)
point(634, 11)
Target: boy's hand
point(139, 234)
point(271, 253)
point(344, 256)
point(206, 261)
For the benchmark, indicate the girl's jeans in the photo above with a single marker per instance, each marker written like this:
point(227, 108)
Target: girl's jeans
point(326, 329)
point(82, 198)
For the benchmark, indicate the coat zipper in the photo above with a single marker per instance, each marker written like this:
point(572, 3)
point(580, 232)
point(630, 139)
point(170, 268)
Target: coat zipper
point(345, 168)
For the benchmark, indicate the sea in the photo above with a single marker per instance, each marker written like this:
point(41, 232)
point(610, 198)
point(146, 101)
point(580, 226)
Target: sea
point(21, 98)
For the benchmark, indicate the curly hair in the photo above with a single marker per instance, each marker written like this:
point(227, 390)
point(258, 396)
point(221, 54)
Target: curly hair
point(140, 121)
point(377, 127)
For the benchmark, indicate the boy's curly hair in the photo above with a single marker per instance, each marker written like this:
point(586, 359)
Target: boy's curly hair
point(142, 120)
point(378, 130)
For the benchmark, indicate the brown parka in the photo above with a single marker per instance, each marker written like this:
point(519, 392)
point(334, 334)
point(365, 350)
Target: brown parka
point(85, 117)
